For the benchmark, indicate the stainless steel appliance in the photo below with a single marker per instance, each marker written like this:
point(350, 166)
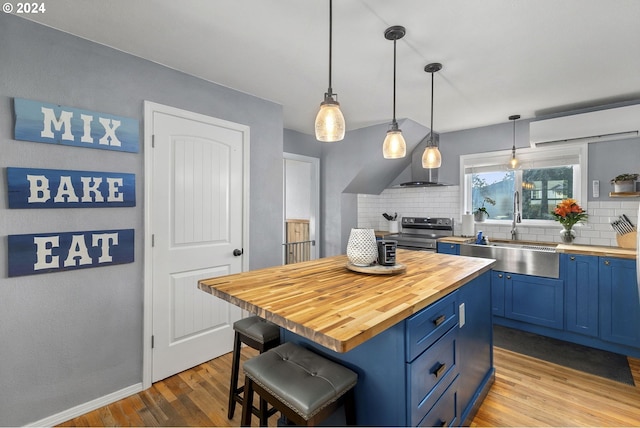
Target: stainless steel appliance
point(387, 252)
point(421, 233)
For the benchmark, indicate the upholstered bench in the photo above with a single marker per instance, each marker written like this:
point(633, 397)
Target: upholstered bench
point(258, 334)
point(305, 387)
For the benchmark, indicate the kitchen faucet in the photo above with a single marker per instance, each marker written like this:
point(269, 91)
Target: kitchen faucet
point(516, 215)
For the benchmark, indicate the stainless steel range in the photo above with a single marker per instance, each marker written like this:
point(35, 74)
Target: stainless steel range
point(421, 233)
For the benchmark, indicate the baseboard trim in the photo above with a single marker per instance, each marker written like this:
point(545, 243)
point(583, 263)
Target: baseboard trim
point(87, 407)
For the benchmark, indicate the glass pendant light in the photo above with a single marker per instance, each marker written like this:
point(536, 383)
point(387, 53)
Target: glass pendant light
point(513, 163)
point(394, 146)
point(431, 158)
point(330, 125)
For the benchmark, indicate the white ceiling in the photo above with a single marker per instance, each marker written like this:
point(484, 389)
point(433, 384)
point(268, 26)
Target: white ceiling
point(500, 57)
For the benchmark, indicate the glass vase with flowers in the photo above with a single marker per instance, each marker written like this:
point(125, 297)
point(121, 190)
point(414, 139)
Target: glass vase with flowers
point(568, 213)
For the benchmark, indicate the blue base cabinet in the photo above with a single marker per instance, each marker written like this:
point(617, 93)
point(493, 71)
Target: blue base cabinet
point(448, 248)
point(619, 302)
point(497, 293)
point(534, 299)
point(601, 304)
point(428, 370)
point(581, 287)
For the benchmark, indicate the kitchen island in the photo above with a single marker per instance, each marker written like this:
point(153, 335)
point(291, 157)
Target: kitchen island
point(420, 341)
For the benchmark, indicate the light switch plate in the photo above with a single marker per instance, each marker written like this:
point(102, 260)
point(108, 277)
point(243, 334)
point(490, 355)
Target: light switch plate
point(596, 188)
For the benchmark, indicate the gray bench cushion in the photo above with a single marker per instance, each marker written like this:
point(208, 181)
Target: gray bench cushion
point(301, 379)
point(257, 328)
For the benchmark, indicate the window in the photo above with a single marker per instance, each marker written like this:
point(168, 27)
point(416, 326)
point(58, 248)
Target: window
point(546, 177)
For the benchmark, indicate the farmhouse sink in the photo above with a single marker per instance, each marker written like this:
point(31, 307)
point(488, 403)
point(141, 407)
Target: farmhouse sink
point(518, 257)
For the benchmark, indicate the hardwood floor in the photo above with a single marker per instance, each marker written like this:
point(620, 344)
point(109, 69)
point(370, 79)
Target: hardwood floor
point(532, 392)
point(527, 392)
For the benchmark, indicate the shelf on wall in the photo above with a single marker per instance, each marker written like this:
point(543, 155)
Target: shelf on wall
point(624, 194)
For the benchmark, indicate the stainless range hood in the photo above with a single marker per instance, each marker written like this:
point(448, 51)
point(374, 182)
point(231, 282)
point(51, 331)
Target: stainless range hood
point(422, 177)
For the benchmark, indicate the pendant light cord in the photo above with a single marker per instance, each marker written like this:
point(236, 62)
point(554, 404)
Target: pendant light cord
point(513, 150)
point(330, 41)
point(431, 130)
point(394, 80)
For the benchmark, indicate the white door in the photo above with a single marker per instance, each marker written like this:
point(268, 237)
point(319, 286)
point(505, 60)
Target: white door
point(197, 222)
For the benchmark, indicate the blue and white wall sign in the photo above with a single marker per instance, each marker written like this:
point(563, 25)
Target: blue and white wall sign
point(55, 124)
point(52, 188)
point(53, 252)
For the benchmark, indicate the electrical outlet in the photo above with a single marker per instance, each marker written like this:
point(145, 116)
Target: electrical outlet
point(461, 315)
point(596, 188)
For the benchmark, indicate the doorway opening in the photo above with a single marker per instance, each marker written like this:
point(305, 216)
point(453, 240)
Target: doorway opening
point(302, 208)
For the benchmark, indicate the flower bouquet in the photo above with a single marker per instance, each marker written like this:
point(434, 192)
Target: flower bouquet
point(568, 213)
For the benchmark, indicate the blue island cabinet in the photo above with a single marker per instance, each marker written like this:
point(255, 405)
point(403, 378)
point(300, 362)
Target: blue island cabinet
point(432, 369)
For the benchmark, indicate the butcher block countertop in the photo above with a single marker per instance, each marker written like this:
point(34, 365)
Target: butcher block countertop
point(339, 309)
point(594, 250)
point(589, 250)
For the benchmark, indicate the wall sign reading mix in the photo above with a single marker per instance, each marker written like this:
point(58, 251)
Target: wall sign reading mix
point(55, 124)
point(53, 252)
point(51, 188)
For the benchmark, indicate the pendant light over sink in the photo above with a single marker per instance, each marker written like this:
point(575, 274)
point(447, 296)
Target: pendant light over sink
point(513, 163)
point(330, 125)
point(431, 157)
point(394, 146)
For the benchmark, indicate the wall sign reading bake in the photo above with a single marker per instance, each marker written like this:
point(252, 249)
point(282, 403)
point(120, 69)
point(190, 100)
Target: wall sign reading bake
point(53, 252)
point(52, 188)
point(55, 124)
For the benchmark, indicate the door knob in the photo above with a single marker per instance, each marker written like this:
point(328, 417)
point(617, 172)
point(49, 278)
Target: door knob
point(237, 252)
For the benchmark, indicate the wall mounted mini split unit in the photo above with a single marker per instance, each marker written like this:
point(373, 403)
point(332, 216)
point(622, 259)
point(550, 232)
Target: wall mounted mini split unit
point(596, 126)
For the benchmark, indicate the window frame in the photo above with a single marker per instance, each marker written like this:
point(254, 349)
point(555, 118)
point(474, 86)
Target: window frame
point(529, 158)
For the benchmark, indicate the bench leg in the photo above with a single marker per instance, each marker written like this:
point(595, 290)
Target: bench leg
point(247, 404)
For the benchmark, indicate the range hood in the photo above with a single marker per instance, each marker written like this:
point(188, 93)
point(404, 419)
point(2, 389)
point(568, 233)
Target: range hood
point(422, 177)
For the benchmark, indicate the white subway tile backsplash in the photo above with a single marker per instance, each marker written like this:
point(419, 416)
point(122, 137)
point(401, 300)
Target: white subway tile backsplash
point(445, 202)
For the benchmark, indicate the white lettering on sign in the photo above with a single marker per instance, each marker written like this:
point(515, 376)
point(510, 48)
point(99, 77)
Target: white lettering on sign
point(39, 191)
point(114, 185)
point(44, 247)
point(66, 192)
point(78, 254)
point(110, 127)
point(50, 122)
point(88, 189)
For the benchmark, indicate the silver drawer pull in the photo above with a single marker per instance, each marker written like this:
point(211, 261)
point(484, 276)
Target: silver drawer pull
point(441, 368)
point(439, 320)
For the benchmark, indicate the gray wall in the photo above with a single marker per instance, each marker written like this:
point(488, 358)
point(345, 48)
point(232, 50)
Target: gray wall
point(606, 159)
point(355, 165)
point(71, 337)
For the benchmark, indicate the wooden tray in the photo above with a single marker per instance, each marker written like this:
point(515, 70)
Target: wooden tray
point(378, 269)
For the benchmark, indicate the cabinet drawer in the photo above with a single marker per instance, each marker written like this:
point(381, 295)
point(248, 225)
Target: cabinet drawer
point(430, 324)
point(445, 412)
point(430, 374)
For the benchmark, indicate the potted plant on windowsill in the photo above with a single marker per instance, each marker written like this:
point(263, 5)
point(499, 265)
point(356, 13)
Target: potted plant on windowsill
point(481, 213)
point(624, 182)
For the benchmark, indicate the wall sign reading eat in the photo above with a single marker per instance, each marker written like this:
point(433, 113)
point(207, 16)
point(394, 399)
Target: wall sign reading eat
point(53, 252)
point(55, 124)
point(52, 188)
